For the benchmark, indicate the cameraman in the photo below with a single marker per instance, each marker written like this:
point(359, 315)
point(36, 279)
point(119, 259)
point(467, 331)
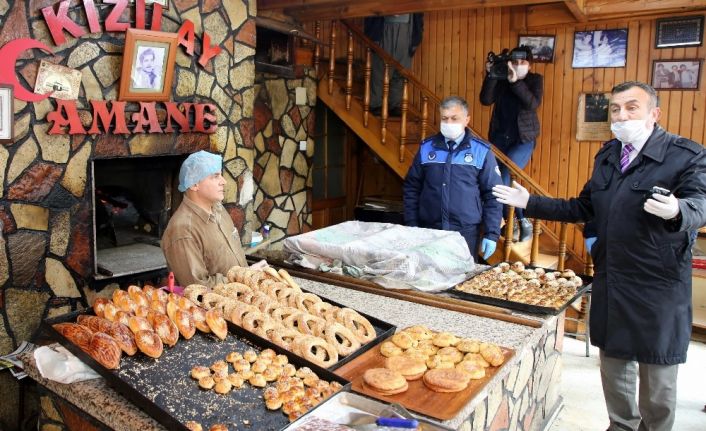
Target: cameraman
point(514, 125)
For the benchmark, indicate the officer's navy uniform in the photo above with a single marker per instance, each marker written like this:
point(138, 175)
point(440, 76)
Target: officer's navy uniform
point(449, 186)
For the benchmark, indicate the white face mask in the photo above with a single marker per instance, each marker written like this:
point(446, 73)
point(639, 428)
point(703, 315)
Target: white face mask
point(452, 130)
point(522, 70)
point(631, 131)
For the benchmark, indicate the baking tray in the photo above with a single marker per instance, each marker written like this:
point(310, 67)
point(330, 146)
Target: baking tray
point(418, 397)
point(164, 389)
point(521, 306)
point(383, 331)
point(343, 407)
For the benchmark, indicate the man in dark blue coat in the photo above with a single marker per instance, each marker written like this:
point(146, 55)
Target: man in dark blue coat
point(449, 185)
point(641, 308)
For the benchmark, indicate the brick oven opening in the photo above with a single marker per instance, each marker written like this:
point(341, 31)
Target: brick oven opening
point(133, 199)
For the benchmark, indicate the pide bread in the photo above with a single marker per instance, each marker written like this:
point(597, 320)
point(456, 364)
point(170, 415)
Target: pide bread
point(384, 381)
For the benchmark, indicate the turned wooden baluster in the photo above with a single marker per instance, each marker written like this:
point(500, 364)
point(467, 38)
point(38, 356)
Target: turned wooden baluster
point(331, 57)
point(588, 269)
point(349, 71)
point(425, 116)
point(562, 247)
point(366, 96)
point(403, 119)
point(534, 253)
point(509, 225)
point(317, 49)
point(385, 94)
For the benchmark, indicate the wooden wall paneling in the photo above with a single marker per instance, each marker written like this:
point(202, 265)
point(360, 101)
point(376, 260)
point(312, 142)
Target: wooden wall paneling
point(464, 63)
point(481, 46)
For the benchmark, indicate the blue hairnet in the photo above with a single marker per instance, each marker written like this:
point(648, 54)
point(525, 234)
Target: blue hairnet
point(198, 166)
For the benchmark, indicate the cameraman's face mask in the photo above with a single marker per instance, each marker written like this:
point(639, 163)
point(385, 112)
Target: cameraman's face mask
point(522, 68)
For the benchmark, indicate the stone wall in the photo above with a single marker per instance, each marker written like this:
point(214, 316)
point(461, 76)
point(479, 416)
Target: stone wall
point(282, 171)
point(529, 395)
point(46, 247)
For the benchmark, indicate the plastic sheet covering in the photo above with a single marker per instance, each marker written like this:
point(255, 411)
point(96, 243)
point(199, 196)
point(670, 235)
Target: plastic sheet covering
point(393, 256)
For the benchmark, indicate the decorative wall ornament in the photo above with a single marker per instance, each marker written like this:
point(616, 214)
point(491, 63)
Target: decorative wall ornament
point(148, 65)
point(58, 81)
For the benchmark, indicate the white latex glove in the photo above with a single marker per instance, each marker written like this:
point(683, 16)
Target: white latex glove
point(511, 73)
point(666, 207)
point(259, 265)
point(517, 196)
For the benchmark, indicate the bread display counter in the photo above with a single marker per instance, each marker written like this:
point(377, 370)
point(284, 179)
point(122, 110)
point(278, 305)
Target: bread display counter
point(524, 392)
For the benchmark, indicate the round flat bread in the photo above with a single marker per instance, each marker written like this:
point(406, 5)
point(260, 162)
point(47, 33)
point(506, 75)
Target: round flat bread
point(410, 367)
point(385, 381)
point(446, 380)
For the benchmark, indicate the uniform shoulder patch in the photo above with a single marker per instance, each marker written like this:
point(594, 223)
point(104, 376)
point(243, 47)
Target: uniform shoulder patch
point(481, 142)
point(689, 145)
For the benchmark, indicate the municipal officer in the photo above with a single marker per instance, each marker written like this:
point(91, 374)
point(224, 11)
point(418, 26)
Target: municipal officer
point(641, 309)
point(449, 185)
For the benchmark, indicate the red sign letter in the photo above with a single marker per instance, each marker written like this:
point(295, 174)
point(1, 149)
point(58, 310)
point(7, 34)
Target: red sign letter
point(202, 116)
point(178, 115)
point(71, 119)
point(207, 51)
point(186, 36)
point(111, 22)
point(100, 112)
point(146, 116)
point(60, 21)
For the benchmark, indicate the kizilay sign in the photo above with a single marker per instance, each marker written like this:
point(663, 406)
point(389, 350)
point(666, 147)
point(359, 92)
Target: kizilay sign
point(66, 118)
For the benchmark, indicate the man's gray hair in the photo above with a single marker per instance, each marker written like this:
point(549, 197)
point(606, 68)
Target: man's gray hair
point(625, 86)
point(451, 101)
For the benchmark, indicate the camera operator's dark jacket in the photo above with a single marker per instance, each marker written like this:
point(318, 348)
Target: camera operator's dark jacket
point(374, 28)
point(641, 300)
point(527, 92)
point(452, 189)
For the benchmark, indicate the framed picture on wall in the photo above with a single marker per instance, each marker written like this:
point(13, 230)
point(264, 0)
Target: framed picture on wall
point(61, 81)
point(7, 113)
point(600, 48)
point(676, 74)
point(592, 119)
point(148, 66)
point(542, 47)
point(680, 31)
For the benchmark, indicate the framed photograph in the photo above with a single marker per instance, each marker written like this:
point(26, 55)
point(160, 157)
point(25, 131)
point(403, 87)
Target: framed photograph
point(600, 48)
point(680, 31)
point(61, 81)
point(7, 113)
point(676, 74)
point(148, 66)
point(593, 121)
point(542, 47)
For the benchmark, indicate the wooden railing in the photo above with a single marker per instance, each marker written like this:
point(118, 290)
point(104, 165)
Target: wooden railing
point(422, 103)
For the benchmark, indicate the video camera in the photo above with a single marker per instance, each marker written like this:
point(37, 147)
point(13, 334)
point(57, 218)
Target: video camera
point(498, 69)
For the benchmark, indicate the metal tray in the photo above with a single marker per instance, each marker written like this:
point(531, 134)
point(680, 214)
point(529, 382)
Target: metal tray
point(164, 389)
point(383, 330)
point(521, 306)
point(343, 407)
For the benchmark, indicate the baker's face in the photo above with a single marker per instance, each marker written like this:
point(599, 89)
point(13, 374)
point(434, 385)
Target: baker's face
point(211, 188)
point(633, 104)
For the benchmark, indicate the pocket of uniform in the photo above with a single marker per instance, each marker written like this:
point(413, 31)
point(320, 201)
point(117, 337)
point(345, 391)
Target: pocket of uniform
point(669, 261)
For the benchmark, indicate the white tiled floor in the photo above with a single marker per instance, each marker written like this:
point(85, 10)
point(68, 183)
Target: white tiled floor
point(584, 409)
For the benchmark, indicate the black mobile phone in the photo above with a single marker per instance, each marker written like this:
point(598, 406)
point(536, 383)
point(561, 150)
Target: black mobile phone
point(657, 190)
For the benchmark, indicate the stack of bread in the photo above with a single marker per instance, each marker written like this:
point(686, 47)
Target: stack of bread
point(143, 319)
point(528, 286)
point(295, 391)
point(270, 304)
point(445, 362)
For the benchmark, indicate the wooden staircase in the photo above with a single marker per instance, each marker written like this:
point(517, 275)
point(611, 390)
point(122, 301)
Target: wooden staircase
point(396, 140)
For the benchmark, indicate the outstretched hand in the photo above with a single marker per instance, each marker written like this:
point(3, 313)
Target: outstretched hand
point(517, 196)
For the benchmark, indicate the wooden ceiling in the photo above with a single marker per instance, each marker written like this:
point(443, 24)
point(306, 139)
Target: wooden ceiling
point(551, 10)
